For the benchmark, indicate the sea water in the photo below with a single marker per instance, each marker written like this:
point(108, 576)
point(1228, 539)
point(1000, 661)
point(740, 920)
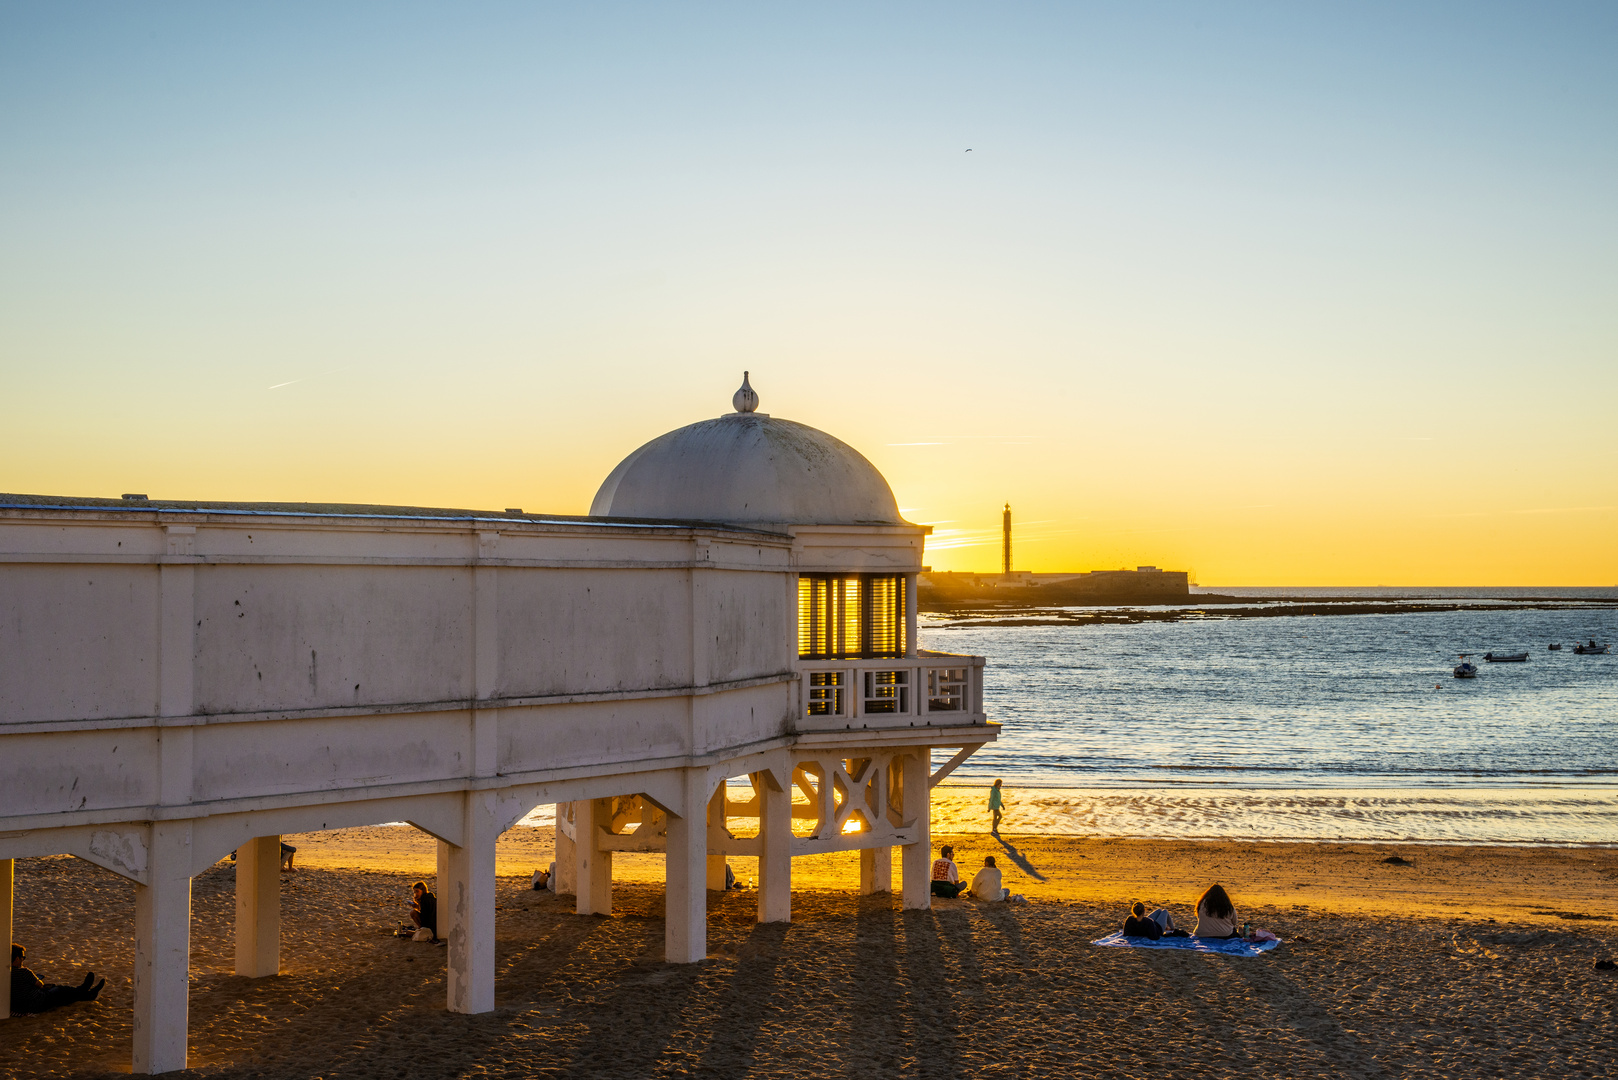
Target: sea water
point(1308, 727)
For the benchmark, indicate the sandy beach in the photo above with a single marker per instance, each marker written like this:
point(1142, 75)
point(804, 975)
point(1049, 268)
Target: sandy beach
point(1467, 962)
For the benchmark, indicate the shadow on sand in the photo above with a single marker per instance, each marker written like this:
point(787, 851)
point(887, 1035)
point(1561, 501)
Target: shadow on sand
point(1019, 858)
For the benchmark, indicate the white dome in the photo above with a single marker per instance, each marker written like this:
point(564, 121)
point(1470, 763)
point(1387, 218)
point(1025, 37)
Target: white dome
point(748, 468)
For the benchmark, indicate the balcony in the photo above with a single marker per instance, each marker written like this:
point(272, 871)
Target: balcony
point(930, 688)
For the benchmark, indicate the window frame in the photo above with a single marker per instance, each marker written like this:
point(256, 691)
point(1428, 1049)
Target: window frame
point(826, 623)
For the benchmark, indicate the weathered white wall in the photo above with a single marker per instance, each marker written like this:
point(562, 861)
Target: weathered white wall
point(292, 655)
point(572, 631)
point(305, 637)
point(77, 641)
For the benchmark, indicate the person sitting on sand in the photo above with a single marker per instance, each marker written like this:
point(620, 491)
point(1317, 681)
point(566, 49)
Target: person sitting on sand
point(986, 882)
point(946, 877)
point(424, 909)
point(1216, 915)
point(1138, 925)
point(31, 994)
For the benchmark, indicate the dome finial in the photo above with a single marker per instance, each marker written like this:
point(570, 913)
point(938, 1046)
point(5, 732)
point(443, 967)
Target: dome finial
point(745, 400)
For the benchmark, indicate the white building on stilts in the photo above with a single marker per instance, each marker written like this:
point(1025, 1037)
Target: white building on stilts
point(183, 680)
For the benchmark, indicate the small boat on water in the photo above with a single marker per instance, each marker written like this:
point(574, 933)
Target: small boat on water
point(1591, 649)
point(1464, 670)
point(1506, 658)
point(1556, 646)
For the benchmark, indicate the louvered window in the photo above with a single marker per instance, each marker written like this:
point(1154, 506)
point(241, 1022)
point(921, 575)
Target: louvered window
point(849, 615)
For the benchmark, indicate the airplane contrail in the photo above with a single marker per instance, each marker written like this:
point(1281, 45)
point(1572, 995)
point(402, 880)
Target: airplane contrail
point(306, 378)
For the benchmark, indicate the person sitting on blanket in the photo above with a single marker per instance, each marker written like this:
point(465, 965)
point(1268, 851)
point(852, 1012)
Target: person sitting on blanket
point(986, 882)
point(1216, 915)
point(946, 877)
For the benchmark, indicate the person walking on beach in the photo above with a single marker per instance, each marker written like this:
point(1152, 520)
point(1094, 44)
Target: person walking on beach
point(31, 994)
point(1216, 915)
point(996, 801)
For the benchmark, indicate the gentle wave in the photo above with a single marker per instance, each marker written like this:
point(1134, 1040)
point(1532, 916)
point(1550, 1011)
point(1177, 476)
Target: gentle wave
point(1546, 816)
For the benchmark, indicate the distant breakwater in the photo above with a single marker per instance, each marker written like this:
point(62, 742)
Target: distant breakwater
point(1214, 606)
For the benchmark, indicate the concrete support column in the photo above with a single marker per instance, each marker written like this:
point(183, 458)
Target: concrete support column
point(775, 864)
point(258, 907)
point(916, 858)
point(876, 870)
point(593, 883)
point(716, 832)
point(163, 951)
point(7, 891)
point(685, 892)
point(567, 860)
point(468, 901)
point(441, 880)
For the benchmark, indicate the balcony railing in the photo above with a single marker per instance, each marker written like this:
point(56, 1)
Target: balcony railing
point(941, 689)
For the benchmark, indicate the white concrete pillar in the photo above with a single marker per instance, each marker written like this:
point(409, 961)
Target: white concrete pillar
point(567, 859)
point(593, 878)
point(7, 891)
point(916, 857)
point(716, 830)
point(876, 870)
point(441, 878)
point(258, 907)
point(467, 898)
point(163, 951)
point(685, 892)
point(775, 863)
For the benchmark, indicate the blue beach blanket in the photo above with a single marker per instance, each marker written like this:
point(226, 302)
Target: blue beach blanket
point(1223, 946)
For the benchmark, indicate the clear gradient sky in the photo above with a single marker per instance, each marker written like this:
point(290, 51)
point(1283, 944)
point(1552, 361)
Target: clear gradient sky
point(1282, 293)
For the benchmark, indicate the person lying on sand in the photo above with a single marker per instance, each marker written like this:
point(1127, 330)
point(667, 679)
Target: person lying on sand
point(1216, 915)
point(1138, 925)
point(31, 994)
point(946, 876)
point(986, 882)
point(1159, 924)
